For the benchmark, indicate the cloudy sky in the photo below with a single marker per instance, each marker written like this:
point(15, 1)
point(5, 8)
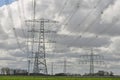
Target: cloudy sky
point(83, 24)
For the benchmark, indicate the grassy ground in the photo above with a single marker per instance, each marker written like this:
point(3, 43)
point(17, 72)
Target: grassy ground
point(50, 78)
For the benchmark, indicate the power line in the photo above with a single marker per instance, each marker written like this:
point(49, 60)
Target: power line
point(20, 17)
point(63, 7)
point(66, 21)
point(90, 24)
point(86, 17)
point(27, 35)
point(18, 40)
point(27, 29)
point(33, 25)
point(90, 12)
point(13, 26)
point(72, 15)
point(74, 11)
point(93, 22)
point(97, 36)
point(23, 11)
point(34, 9)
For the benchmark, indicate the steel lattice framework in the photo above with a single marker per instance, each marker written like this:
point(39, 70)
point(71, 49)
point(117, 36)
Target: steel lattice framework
point(39, 55)
point(91, 59)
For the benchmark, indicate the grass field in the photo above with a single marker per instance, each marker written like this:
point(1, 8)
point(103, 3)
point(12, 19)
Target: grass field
point(51, 78)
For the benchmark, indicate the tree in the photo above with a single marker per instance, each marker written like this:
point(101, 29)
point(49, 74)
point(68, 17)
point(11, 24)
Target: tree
point(5, 71)
point(111, 73)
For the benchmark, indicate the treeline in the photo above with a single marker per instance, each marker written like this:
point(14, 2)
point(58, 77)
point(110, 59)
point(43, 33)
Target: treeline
point(8, 71)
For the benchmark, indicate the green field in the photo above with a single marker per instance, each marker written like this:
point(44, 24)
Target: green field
point(51, 78)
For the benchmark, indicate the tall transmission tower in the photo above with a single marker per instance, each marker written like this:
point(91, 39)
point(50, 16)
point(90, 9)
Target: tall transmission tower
point(38, 44)
point(91, 59)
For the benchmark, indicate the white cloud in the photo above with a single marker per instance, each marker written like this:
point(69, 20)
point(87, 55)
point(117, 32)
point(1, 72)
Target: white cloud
point(112, 13)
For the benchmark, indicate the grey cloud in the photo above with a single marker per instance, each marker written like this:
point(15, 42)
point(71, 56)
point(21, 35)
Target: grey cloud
point(18, 54)
point(7, 59)
point(73, 41)
point(10, 45)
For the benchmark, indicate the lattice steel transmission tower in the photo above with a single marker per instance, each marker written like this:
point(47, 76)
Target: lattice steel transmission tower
point(92, 59)
point(38, 44)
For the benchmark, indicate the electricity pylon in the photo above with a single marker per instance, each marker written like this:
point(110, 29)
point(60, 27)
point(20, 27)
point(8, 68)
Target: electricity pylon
point(38, 44)
point(91, 59)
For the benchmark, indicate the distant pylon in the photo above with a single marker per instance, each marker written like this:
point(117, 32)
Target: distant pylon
point(65, 66)
point(52, 64)
point(28, 67)
point(92, 59)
